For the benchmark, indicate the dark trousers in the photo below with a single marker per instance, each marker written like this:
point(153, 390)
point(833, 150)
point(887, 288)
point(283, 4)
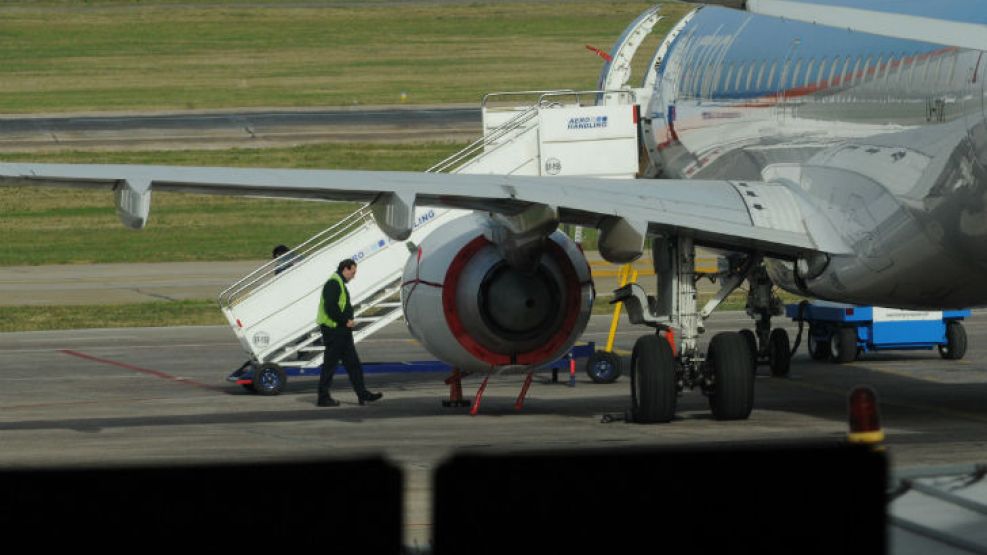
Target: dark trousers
point(339, 347)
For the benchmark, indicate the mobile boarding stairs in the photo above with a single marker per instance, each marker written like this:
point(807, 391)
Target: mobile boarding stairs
point(272, 310)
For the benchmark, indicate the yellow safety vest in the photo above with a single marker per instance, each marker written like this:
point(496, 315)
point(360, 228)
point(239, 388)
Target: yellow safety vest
point(323, 318)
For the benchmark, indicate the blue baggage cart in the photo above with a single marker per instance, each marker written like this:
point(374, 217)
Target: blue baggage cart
point(841, 332)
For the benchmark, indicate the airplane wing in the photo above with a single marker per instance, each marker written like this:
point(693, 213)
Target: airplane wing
point(927, 22)
point(768, 217)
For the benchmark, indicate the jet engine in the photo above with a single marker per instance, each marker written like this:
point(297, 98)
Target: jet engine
point(470, 308)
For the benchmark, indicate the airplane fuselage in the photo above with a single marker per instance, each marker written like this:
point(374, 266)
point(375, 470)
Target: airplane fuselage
point(885, 138)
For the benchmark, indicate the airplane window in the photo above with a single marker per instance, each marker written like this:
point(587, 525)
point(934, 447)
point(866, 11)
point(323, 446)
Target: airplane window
point(760, 75)
point(771, 75)
point(855, 74)
point(715, 84)
point(808, 72)
point(896, 64)
point(832, 72)
point(704, 83)
point(925, 68)
point(822, 78)
point(952, 66)
point(914, 70)
point(867, 72)
point(697, 81)
point(782, 82)
point(843, 72)
point(750, 76)
point(937, 72)
point(792, 80)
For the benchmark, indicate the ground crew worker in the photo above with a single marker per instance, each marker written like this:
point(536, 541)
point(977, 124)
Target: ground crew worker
point(335, 319)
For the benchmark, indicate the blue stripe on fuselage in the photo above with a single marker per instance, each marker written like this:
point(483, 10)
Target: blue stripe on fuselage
point(719, 43)
point(965, 11)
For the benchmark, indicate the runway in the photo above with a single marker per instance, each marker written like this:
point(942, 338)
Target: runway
point(138, 396)
point(243, 128)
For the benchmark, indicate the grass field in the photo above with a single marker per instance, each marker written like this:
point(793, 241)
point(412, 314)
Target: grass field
point(65, 226)
point(60, 56)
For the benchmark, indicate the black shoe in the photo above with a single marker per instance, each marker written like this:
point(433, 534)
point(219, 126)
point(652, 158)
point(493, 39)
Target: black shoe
point(370, 397)
point(327, 402)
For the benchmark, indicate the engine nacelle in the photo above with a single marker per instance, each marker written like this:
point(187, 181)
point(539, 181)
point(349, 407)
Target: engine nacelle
point(469, 308)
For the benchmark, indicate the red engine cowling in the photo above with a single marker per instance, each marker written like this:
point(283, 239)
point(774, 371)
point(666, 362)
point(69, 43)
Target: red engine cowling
point(469, 308)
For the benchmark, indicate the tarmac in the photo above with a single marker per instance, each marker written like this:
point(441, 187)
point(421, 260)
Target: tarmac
point(264, 127)
point(124, 397)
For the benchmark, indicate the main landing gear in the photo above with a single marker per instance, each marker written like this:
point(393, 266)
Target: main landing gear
point(725, 372)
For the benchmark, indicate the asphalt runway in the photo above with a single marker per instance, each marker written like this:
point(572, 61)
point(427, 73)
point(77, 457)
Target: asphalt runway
point(224, 129)
point(159, 396)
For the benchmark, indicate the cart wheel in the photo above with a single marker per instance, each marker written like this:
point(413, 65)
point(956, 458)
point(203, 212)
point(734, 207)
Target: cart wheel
point(955, 346)
point(269, 379)
point(818, 349)
point(603, 367)
point(779, 353)
point(843, 345)
point(752, 344)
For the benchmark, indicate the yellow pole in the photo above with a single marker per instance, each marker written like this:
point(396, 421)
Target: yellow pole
point(625, 272)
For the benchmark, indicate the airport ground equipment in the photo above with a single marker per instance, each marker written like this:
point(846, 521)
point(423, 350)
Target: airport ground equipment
point(272, 309)
point(841, 332)
point(543, 133)
point(270, 378)
point(604, 366)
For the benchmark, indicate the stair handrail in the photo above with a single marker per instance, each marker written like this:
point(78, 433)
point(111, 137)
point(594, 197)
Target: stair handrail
point(480, 144)
point(488, 96)
point(543, 99)
point(295, 257)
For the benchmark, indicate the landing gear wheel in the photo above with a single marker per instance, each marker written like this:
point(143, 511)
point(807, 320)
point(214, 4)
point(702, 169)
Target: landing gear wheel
point(818, 350)
point(779, 353)
point(653, 389)
point(603, 367)
point(955, 346)
point(269, 379)
point(843, 345)
point(732, 397)
point(752, 344)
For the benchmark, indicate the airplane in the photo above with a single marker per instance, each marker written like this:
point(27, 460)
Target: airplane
point(834, 151)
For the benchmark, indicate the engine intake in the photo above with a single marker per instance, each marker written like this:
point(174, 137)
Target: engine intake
point(469, 307)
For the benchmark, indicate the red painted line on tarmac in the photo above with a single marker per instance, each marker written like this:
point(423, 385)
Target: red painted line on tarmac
point(146, 371)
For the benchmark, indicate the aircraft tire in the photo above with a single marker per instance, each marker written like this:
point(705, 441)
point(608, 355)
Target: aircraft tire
point(955, 347)
point(843, 345)
point(270, 379)
point(653, 389)
point(752, 345)
point(732, 397)
point(818, 350)
point(779, 353)
point(603, 367)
